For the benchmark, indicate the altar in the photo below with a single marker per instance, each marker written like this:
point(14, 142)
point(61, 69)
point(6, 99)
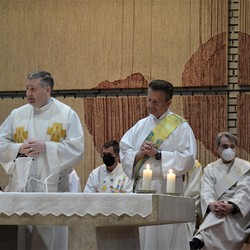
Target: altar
point(96, 221)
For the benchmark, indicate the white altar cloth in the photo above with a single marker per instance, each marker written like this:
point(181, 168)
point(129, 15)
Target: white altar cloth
point(75, 204)
point(96, 221)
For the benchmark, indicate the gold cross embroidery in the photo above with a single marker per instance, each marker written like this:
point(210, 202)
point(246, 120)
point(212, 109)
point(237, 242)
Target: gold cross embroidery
point(56, 132)
point(20, 135)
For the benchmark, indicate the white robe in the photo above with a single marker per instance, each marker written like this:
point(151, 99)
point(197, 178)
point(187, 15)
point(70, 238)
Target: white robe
point(178, 153)
point(59, 126)
point(99, 174)
point(60, 157)
point(229, 232)
point(192, 188)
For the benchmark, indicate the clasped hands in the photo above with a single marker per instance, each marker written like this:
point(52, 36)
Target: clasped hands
point(221, 208)
point(147, 149)
point(32, 147)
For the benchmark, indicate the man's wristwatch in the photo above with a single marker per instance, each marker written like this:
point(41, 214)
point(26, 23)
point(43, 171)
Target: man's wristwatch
point(158, 155)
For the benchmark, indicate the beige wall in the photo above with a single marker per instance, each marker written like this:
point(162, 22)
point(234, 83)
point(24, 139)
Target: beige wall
point(84, 42)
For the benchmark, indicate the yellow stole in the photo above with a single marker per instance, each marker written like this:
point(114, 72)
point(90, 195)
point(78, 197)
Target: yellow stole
point(159, 134)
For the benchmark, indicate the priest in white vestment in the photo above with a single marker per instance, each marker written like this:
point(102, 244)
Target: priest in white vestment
point(109, 177)
point(40, 143)
point(165, 141)
point(225, 199)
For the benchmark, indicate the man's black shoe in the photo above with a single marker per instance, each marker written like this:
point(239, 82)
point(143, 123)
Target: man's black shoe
point(195, 244)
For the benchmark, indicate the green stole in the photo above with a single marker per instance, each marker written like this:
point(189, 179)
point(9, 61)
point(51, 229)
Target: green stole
point(159, 134)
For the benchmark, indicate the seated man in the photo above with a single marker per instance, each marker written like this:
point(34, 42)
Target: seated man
point(225, 199)
point(109, 177)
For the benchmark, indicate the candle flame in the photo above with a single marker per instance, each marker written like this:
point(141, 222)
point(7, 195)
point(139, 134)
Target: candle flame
point(170, 171)
point(147, 166)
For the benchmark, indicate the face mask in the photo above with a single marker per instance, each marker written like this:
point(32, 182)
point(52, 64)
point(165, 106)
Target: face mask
point(108, 160)
point(228, 154)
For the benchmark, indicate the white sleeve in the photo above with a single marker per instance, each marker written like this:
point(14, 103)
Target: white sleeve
point(92, 182)
point(208, 194)
point(64, 155)
point(182, 158)
point(127, 152)
point(8, 148)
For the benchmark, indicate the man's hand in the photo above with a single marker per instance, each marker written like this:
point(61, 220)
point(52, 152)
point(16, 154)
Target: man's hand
point(221, 208)
point(32, 148)
point(148, 149)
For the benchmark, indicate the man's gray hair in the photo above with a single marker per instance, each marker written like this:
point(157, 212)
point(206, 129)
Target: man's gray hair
point(45, 78)
point(229, 135)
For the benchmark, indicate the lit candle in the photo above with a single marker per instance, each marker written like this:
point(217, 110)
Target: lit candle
point(170, 182)
point(147, 178)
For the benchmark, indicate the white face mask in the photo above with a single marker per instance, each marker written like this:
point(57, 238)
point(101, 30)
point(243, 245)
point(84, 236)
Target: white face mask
point(228, 154)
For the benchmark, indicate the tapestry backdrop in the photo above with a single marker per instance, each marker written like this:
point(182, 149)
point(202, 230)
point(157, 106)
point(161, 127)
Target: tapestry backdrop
point(244, 43)
point(243, 125)
point(83, 43)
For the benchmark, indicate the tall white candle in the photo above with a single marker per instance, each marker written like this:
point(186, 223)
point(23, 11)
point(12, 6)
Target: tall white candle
point(170, 182)
point(147, 178)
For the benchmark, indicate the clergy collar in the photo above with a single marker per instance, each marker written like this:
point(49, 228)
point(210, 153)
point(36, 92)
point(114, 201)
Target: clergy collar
point(228, 164)
point(45, 107)
point(161, 117)
point(107, 171)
